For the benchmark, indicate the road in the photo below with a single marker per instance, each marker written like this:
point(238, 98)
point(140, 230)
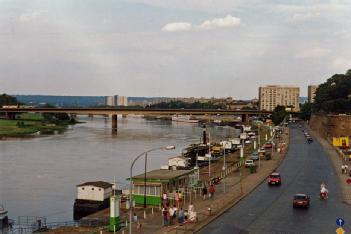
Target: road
point(269, 209)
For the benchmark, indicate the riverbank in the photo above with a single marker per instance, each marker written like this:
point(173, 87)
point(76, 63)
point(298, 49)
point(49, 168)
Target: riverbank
point(29, 125)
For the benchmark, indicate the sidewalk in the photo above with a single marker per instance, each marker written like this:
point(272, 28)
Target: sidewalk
point(337, 162)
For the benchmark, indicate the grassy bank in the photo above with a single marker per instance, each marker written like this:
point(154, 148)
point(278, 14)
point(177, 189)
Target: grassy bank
point(29, 123)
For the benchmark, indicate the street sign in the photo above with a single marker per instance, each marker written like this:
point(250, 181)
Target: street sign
point(340, 222)
point(340, 231)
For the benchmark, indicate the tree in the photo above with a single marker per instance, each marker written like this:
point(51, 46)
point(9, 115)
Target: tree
point(306, 111)
point(7, 100)
point(334, 94)
point(278, 115)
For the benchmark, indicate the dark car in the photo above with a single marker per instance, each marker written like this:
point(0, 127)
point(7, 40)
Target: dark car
point(274, 179)
point(301, 200)
point(309, 140)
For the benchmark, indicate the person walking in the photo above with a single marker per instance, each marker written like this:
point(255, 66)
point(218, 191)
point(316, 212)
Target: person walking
point(176, 198)
point(211, 191)
point(204, 192)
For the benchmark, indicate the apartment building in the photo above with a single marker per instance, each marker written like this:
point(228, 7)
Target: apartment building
point(311, 91)
point(271, 96)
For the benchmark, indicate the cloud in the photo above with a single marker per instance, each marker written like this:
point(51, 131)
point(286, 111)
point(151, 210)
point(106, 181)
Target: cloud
point(216, 23)
point(313, 53)
point(341, 63)
point(31, 15)
point(299, 17)
point(226, 22)
point(176, 27)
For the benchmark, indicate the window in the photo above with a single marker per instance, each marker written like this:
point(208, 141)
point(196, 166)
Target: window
point(92, 188)
point(82, 188)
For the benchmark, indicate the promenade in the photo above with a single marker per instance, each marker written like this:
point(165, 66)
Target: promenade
point(238, 183)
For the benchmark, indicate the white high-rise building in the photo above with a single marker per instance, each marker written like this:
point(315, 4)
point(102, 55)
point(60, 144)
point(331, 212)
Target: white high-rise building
point(274, 95)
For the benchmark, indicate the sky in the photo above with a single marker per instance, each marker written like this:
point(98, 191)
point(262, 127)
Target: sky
point(175, 48)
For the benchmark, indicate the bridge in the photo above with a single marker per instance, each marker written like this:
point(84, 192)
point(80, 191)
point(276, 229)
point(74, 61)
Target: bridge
point(11, 112)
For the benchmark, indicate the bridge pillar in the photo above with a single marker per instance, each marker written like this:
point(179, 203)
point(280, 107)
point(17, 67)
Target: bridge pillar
point(244, 118)
point(114, 123)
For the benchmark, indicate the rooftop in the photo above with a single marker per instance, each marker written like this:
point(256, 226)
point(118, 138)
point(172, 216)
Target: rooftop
point(99, 184)
point(162, 174)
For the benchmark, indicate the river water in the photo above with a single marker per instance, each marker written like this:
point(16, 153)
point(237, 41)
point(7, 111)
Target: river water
point(38, 175)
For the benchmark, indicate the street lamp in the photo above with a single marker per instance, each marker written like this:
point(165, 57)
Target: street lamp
point(171, 147)
point(224, 166)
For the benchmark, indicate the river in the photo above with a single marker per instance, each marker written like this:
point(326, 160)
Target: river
point(38, 175)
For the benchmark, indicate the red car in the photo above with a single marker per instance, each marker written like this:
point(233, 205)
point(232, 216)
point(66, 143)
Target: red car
point(274, 179)
point(268, 145)
point(301, 200)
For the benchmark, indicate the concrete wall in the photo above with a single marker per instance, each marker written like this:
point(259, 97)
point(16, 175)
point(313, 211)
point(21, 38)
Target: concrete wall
point(331, 125)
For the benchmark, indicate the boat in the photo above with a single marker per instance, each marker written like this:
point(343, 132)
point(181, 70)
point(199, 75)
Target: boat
point(184, 118)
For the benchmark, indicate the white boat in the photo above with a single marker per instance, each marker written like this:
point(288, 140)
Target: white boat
point(184, 118)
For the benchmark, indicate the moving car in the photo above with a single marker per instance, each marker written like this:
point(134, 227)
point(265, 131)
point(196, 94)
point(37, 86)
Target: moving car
point(274, 179)
point(301, 200)
point(249, 163)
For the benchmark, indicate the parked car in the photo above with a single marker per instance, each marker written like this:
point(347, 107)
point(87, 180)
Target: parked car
point(301, 200)
point(268, 145)
point(254, 156)
point(274, 179)
point(249, 163)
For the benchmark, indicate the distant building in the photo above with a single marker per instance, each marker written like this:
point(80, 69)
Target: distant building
point(109, 101)
point(122, 101)
point(311, 90)
point(271, 96)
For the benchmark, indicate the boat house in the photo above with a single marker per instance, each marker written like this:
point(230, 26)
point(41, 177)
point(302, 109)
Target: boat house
point(158, 182)
point(91, 197)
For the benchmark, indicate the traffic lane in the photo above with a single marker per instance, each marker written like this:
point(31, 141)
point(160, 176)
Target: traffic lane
point(269, 209)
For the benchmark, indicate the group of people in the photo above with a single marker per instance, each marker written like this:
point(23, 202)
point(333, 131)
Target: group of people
point(171, 215)
point(175, 212)
point(177, 196)
point(210, 191)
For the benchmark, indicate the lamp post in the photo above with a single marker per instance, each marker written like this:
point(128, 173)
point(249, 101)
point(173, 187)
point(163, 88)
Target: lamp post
point(131, 181)
point(224, 167)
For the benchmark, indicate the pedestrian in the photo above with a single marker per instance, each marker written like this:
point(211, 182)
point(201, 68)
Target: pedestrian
point(165, 214)
point(165, 199)
point(191, 207)
point(180, 194)
point(343, 171)
point(135, 218)
point(181, 216)
point(171, 215)
point(175, 212)
point(176, 198)
point(211, 191)
point(204, 192)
